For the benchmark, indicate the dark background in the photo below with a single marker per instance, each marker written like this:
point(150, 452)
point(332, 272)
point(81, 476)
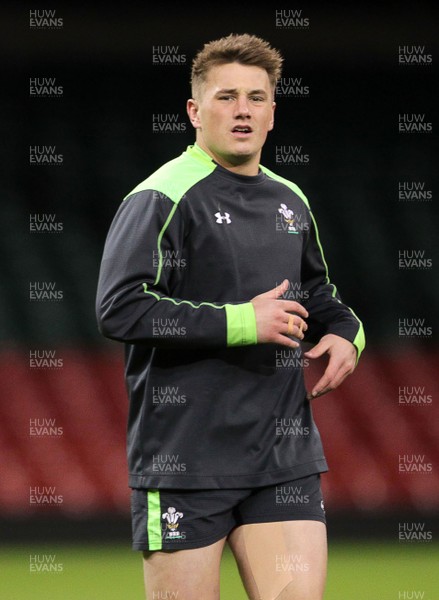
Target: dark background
point(102, 125)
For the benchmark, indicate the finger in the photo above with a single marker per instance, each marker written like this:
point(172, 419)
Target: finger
point(280, 289)
point(331, 379)
point(277, 291)
point(313, 396)
point(284, 340)
point(318, 350)
point(328, 388)
point(296, 327)
point(290, 306)
point(322, 384)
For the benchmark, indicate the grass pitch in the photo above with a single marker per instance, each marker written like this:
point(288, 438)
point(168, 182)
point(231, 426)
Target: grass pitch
point(362, 571)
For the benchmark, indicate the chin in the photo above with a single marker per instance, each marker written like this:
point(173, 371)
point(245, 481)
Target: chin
point(238, 158)
point(243, 152)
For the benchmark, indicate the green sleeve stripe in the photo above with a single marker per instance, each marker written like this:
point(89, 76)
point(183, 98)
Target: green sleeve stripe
point(360, 339)
point(302, 196)
point(334, 289)
point(154, 523)
point(178, 302)
point(240, 318)
point(173, 180)
point(159, 242)
point(241, 324)
point(296, 189)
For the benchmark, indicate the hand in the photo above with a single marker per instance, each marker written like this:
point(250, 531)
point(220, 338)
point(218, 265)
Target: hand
point(275, 320)
point(342, 361)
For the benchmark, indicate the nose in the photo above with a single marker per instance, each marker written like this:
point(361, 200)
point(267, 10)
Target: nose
point(242, 107)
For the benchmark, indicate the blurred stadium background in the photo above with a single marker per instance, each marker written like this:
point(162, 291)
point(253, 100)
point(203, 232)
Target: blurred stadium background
point(62, 440)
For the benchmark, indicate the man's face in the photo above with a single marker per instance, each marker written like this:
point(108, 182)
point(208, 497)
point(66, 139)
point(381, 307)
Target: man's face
point(233, 113)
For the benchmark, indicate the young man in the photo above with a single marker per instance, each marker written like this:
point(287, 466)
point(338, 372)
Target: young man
point(196, 279)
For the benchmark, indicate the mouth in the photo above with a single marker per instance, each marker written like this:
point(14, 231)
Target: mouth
point(242, 131)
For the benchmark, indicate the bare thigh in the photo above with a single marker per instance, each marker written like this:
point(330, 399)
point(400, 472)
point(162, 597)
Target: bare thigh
point(184, 574)
point(281, 561)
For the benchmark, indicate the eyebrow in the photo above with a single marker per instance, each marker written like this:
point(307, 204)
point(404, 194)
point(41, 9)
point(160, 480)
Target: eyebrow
point(234, 91)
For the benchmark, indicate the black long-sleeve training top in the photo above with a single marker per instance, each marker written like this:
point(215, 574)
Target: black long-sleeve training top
point(187, 250)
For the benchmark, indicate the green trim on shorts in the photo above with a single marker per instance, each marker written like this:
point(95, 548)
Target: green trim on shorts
point(153, 524)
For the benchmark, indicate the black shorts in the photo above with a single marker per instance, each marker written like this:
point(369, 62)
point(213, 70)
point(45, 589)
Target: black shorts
point(182, 519)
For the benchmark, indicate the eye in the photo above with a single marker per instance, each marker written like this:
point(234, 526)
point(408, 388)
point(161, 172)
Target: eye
point(257, 98)
point(226, 97)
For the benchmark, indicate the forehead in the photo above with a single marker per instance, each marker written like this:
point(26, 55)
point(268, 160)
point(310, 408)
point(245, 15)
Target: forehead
point(237, 76)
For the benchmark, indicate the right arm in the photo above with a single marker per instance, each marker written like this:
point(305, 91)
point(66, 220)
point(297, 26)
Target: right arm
point(135, 302)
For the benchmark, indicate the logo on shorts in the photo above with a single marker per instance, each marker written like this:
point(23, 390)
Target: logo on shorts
point(322, 505)
point(172, 524)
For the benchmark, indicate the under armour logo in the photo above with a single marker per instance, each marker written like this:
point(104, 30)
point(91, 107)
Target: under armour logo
point(220, 218)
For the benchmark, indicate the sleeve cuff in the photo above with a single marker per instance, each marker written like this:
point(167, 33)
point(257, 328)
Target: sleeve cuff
point(359, 342)
point(241, 324)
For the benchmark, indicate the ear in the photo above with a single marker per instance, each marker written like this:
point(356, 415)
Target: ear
point(192, 111)
point(271, 123)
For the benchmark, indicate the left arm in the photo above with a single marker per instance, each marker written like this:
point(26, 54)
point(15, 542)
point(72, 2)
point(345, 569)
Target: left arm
point(332, 325)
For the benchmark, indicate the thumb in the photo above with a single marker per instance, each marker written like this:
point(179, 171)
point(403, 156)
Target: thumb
point(318, 350)
point(277, 291)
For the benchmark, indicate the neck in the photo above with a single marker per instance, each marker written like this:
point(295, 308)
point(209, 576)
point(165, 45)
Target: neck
point(246, 165)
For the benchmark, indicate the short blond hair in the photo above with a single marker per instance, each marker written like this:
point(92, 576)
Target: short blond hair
point(244, 49)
